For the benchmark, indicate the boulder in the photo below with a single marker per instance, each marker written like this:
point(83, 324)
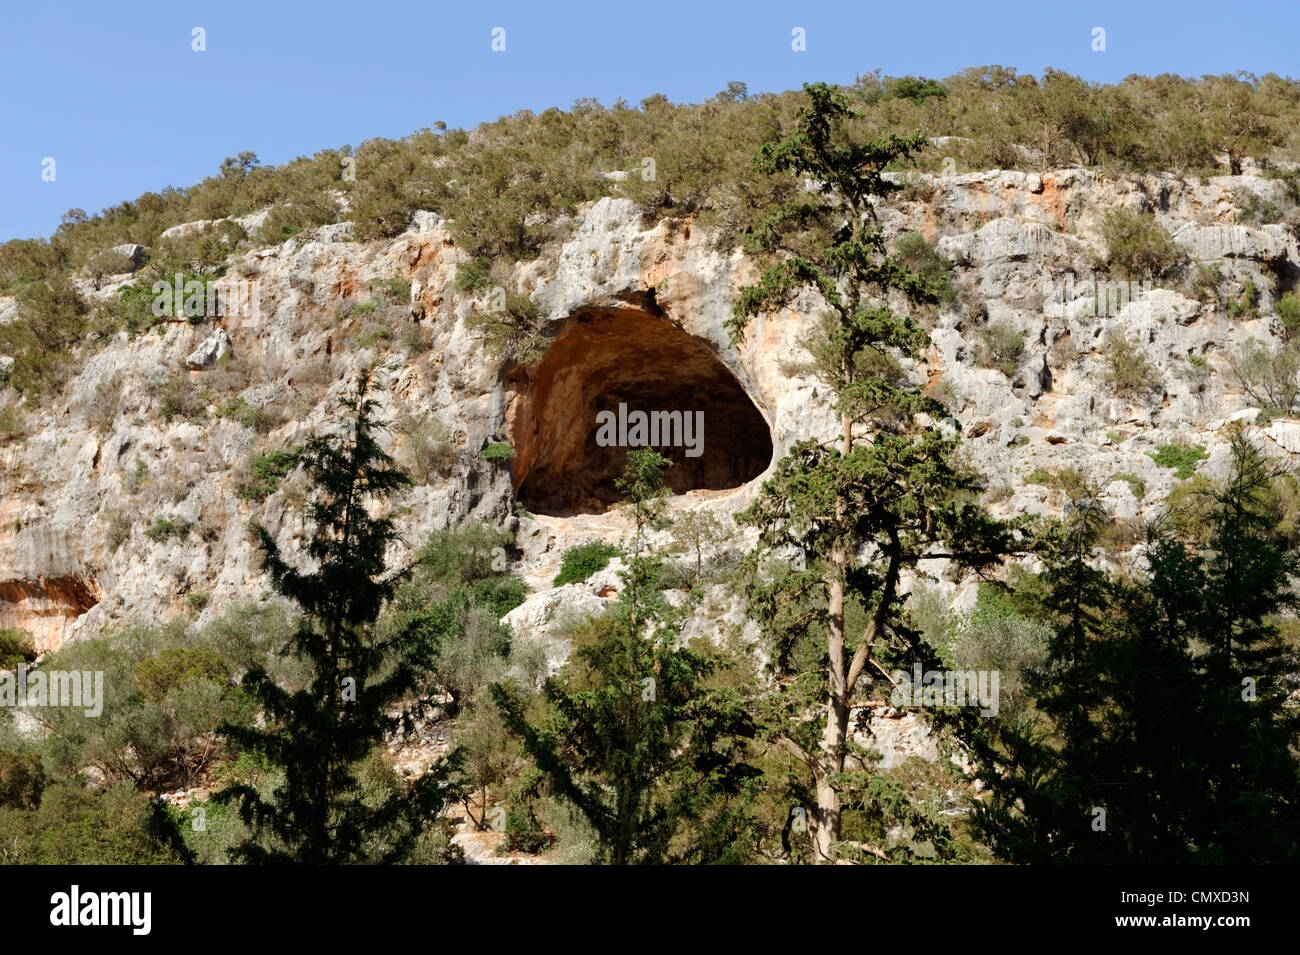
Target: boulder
point(215, 347)
point(131, 252)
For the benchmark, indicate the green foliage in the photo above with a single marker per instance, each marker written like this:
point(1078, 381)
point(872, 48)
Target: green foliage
point(1246, 305)
point(1288, 310)
point(51, 321)
point(165, 528)
point(395, 289)
point(1181, 457)
point(855, 497)
point(1128, 371)
point(337, 804)
point(693, 532)
point(459, 589)
point(22, 778)
point(914, 88)
point(250, 416)
point(1156, 695)
point(12, 424)
point(514, 333)
point(1271, 377)
point(995, 635)
point(498, 451)
point(16, 647)
point(914, 253)
point(265, 472)
point(633, 734)
point(1137, 247)
point(429, 450)
point(583, 560)
point(179, 398)
point(1135, 483)
point(76, 826)
point(1062, 479)
point(524, 830)
point(132, 308)
point(1001, 345)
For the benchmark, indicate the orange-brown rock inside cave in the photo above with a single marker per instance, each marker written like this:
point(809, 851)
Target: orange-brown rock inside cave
point(600, 359)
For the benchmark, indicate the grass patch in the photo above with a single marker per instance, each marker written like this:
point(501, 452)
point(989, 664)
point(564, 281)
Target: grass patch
point(1183, 458)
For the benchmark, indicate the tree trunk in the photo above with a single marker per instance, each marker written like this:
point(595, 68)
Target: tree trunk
point(827, 819)
point(835, 734)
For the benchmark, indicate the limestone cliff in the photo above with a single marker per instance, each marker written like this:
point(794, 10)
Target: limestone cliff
point(637, 312)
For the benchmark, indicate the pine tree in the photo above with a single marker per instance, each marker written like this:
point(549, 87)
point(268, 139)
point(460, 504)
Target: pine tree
point(889, 493)
point(320, 733)
point(1166, 737)
point(634, 737)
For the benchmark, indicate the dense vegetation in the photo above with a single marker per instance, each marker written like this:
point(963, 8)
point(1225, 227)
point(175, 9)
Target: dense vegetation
point(1145, 715)
point(507, 186)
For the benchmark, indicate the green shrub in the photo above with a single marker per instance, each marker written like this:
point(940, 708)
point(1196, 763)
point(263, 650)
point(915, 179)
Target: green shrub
point(995, 636)
point(287, 219)
point(1205, 282)
point(1137, 247)
point(164, 528)
point(1288, 309)
point(1063, 479)
point(74, 825)
point(250, 416)
point(582, 561)
point(22, 779)
point(1179, 456)
point(373, 333)
point(914, 88)
point(524, 830)
point(1245, 305)
point(1001, 345)
point(1198, 367)
point(1127, 370)
point(429, 448)
point(396, 289)
point(915, 253)
point(265, 472)
point(472, 276)
point(16, 647)
point(1135, 483)
point(51, 320)
point(132, 308)
point(515, 334)
point(1269, 376)
point(172, 667)
point(179, 398)
point(498, 451)
point(12, 423)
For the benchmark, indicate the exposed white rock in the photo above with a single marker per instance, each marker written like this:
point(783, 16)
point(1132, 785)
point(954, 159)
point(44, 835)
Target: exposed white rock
point(214, 348)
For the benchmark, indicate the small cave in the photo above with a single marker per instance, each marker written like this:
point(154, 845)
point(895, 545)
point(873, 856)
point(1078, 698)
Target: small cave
point(629, 375)
point(46, 607)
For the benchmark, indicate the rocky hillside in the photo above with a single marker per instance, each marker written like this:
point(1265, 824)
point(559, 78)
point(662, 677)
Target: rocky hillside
point(129, 493)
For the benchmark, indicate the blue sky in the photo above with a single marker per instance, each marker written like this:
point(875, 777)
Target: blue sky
point(115, 95)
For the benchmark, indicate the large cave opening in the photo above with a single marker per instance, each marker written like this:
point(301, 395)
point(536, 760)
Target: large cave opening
point(617, 379)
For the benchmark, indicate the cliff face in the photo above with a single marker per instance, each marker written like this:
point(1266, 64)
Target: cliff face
point(150, 427)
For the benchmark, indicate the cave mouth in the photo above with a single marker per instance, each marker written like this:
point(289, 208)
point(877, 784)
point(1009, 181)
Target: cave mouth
point(618, 379)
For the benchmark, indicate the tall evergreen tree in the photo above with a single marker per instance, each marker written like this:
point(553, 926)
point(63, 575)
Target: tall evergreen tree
point(320, 733)
point(1166, 737)
point(633, 736)
point(889, 493)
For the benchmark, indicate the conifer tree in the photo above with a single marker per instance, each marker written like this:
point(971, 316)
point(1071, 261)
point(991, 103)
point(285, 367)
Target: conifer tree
point(319, 734)
point(634, 738)
point(1166, 736)
point(888, 493)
